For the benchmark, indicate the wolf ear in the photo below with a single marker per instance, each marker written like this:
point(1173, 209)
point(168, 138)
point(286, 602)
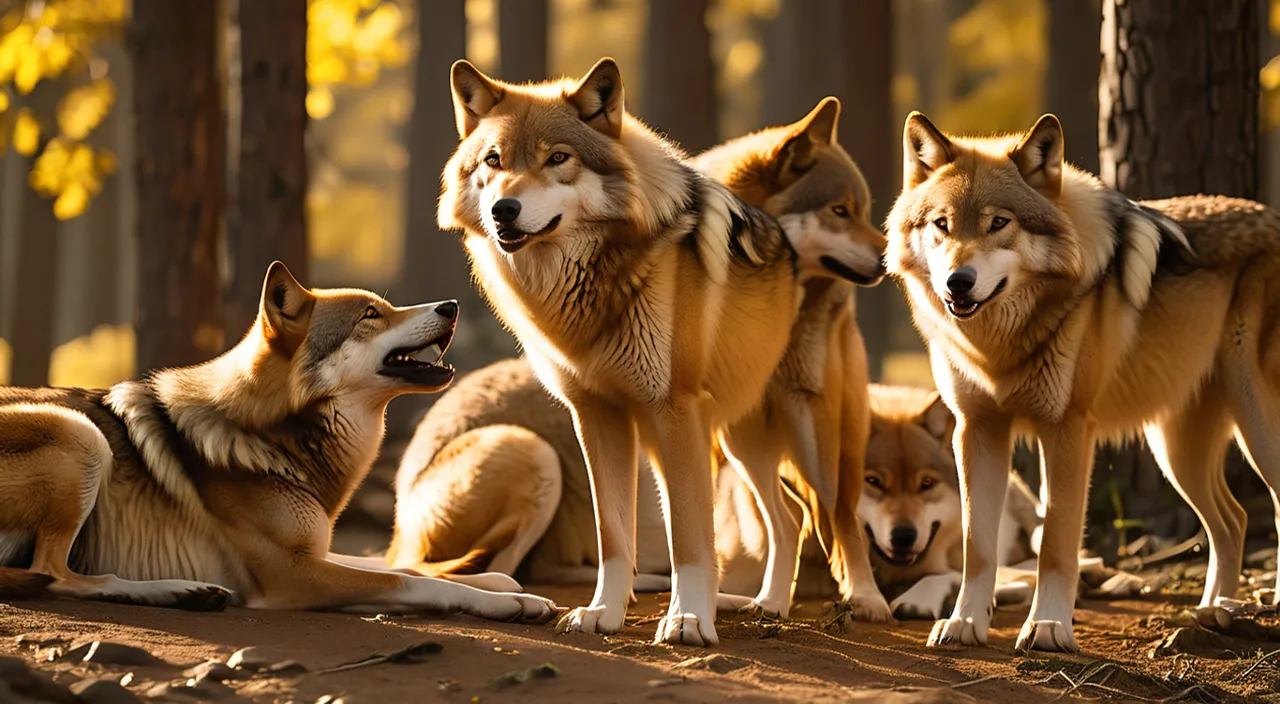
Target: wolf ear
point(474, 95)
point(816, 129)
point(937, 419)
point(924, 150)
point(599, 98)
point(1039, 156)
point(285, 308)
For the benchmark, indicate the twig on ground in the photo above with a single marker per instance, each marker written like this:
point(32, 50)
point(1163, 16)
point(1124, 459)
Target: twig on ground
point(410, 654)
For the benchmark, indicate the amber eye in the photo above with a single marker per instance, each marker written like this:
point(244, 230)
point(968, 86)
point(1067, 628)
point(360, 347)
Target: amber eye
point(840, 211)
point(927, 483)
point(873, 480)
point(941, 224)
point(998, 223)
point(493, 161)
point(557, 158)
point(370, 313)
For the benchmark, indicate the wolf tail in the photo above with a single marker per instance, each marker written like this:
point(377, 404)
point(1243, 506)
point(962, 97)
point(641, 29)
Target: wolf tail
point(23, 584)
point(473, 562)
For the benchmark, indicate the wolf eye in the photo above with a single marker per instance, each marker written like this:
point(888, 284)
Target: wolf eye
point(493, 161)
point(941, 224)
point(873, 480)
point(998, 223)
point(840, 211)
point(370, 313)
point(927, 483)
point(557, 158)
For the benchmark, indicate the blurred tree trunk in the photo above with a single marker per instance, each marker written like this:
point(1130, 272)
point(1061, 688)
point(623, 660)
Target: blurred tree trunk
point(268, 218)
point(522, 40)
point(35, 294)
point(1179, 115)
point(868, 131)
point(180, 143)
point(679, 75)
point(101, 296)
point(1075, 53)
point(798, 69)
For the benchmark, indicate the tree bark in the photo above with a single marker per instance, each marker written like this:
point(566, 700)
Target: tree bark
point(522, 40)
point(1179, 97)
point(680, 77)
point(1178, 101)
point(1075, 55)
point(180, 142)
point(798, 70)
point(268, 219)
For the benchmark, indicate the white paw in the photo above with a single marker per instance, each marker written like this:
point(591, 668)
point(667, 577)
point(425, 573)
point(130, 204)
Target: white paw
point(488, 581)
point(768, 608)
point(871, 608)
point(958, 631)
point(1049, 636)
point(686, 629)
point(591, 619)
point(516, 607)
point(907, 608)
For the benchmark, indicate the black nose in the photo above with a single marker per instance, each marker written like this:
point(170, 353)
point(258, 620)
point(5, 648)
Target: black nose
point(962, 280)
point(902, 537)
point(506, 210)
point(448, 309)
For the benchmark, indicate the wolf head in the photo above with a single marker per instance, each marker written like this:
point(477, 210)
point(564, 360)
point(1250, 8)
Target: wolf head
point(910, 495)
point(345, 342)
point(544, 162)
point(985, 222)
point(800, 175)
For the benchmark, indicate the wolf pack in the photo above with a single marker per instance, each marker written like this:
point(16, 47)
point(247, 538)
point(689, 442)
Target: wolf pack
point(692, 411)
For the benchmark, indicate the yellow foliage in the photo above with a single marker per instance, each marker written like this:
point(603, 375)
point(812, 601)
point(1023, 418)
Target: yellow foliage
point(352, 225)
point(999, 47)
point(95, 361)
point(6, 357)
point(70, 172)
point(83, 108)
point(319, 103)
point(350, 42)
point(26, 133)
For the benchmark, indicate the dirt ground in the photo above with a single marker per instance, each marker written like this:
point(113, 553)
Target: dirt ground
point(795, 661)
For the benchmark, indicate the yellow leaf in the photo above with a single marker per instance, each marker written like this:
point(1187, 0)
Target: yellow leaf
point(71, 203)
point(4, 101)
point(27, 74)
point(26, 133)
point(83, 108)
point(319, 103)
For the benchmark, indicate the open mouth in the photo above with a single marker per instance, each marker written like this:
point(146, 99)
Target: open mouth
point(847, 273)
point(424, 365)
point(901, 558)
point(966, 307)
point(511, 239)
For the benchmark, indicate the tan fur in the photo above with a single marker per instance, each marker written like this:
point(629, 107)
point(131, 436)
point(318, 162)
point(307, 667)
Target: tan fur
point(1113, 317)
point(222, 481)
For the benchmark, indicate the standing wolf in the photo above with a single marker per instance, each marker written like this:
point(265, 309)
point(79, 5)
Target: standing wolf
point(647, 297)
point(1055, 307)
point(221, 481)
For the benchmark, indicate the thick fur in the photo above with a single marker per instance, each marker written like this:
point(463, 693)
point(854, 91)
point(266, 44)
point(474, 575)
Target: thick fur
point(221, 482)
point(1056, 308)
point(637, 288)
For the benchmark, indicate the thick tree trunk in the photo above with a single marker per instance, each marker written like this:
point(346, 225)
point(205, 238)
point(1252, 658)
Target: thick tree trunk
point(798, 70)
point(522, 40)
point(269, 221)
point(868, 131)
point(1179, 97)
point(180, 139)
point(1075, 53)
point(1178, 101)
point(680, 77)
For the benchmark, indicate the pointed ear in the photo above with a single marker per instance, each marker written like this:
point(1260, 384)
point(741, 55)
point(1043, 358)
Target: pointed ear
point(818, 128)
point(1039, 156)
point(599, 98)
point(937, 419)
point(474, 95)
point(924, 150)
point(285, 308)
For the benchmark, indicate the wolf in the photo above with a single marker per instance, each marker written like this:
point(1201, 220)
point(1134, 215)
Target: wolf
point(495, 434)
point(1053, 307)
point(647, 297)
point(220, 483)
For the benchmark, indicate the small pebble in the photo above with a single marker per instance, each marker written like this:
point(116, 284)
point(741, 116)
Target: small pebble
point(249, 658)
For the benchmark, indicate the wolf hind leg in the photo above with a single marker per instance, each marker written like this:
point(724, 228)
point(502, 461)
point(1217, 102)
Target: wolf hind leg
point(63, 470)
point(1190, 448)
point(1254, 405)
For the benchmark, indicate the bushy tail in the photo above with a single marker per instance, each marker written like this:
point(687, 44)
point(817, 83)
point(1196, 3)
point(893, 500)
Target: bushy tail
point(23, 584)
point(473, 562)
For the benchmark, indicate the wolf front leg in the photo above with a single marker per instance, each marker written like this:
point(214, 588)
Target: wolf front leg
point(607, 435)
point(983, 447)
point(315, 583)
point(1066, 459)
point(681, 442)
